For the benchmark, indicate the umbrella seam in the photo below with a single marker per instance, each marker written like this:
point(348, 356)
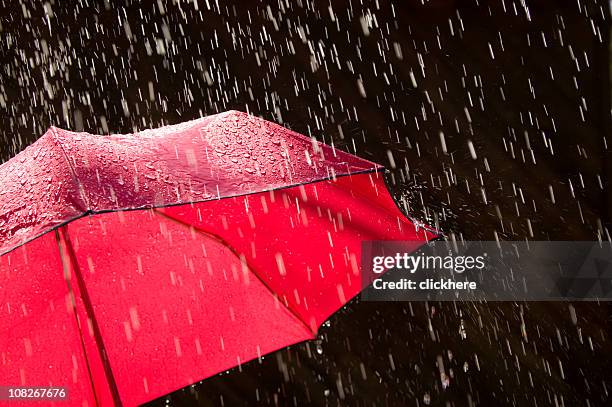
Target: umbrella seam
point(251, 268)
point(71, 291)
point(149, 207)
point(75, 177)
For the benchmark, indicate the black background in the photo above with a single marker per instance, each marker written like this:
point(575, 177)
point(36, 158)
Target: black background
point(120, 66)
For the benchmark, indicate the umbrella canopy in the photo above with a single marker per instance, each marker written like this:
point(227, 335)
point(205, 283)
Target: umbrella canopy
point(134, 265)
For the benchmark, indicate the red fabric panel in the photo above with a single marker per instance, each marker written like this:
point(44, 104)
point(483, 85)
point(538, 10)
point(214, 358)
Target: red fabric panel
point(217, 156)
point(305, 242)
point(39, 339)
point(173, 306)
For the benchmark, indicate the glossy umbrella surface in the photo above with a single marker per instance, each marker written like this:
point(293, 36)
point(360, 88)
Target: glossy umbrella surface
point(135, 265)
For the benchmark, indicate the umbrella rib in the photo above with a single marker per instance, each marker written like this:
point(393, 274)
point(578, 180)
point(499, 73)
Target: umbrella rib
point(78, 322)
point(73, 173)
point(62, 235)
point(223, 242)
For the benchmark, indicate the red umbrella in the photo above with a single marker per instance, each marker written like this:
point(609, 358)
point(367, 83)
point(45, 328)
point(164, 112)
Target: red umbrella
point(134, 265)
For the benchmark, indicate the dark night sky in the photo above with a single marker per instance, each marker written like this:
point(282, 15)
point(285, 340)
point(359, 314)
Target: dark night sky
point(519, 90)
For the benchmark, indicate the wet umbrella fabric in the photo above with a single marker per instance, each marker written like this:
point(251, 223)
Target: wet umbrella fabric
point(134, 265)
